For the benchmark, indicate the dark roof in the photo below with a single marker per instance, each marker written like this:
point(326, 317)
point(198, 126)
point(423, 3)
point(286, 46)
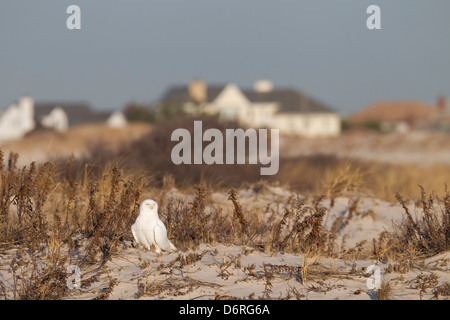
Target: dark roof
point(290, 100)
point(393, 111)
point(77, 113)
point(180, 94)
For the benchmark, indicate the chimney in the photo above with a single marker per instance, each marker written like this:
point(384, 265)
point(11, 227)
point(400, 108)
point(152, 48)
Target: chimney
point(197, 90)
point(440, 104)
point(443, 105)
point(263, 86)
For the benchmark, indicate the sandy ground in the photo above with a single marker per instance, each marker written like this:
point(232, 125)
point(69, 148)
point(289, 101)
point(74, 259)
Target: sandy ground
point(422, 148)
point(45, 145)
point(414, 147)
point(241, 272)
point(217, 275)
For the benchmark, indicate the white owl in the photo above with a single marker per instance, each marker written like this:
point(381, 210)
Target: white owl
point(149, 230)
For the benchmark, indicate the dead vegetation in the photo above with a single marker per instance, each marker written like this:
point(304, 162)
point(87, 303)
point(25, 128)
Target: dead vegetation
point(201, 221)
point(52, 224)
point(420, 234)
point(385, 291)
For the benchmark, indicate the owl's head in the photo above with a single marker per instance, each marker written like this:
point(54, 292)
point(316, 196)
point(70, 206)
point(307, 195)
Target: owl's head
point(149, 205)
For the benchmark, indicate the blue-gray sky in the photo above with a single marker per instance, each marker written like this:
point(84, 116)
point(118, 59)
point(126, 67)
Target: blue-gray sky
point(136, 49)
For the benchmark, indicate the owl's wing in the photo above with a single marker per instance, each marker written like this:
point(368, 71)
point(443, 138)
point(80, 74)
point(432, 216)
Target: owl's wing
point(140, 236)
point(134, 234)
point(161, 239)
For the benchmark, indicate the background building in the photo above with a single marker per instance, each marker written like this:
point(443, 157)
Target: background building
point(263, 106)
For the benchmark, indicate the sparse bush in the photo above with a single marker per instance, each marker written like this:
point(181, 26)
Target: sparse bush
point(48, 228)
point(385, 291)
point(193, 223)
point(305, 230)
point(110, 216)
point(429, 232)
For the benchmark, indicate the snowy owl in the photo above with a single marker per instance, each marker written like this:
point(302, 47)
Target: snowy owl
point(148, 229)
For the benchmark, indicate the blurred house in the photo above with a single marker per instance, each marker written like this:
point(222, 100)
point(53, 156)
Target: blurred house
point(404, 116)
point(60, 116)
point(440, 119)
point(57, 119)
point(19, 119)
point(261, 107)
point(116, 120)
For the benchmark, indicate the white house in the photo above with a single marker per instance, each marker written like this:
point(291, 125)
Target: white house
point(17, 120)
point(21, 118)
point(116, 120)
point(61, 116)
point(288, 110)
point(57, 119)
